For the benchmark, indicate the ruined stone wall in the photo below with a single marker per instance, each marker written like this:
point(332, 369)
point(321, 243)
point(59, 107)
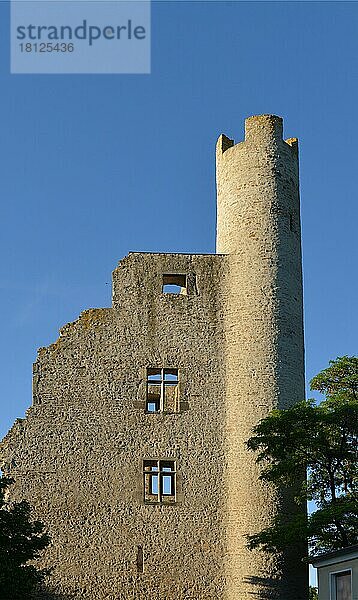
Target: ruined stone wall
point(77, 457)
point(236, 336)
point(259, 228)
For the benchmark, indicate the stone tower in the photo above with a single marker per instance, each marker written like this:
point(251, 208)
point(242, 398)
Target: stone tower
point(133, 451)
point(258, 227)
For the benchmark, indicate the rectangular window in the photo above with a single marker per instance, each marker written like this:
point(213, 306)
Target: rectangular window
point(162, 391)
point(174, 284)
point(159, 481)
point(342, 585)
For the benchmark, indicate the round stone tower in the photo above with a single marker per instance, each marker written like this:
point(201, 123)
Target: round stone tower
point(258, 227)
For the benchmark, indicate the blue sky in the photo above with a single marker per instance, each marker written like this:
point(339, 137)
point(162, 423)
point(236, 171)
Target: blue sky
point(95, 166)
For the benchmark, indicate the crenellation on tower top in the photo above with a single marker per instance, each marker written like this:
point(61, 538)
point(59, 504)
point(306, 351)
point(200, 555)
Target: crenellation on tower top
point(260, 128)
point(293, 143)
point(224, 143)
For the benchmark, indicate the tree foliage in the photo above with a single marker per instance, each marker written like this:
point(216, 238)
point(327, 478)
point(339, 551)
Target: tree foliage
point(324, 440)
point(313, 593)
point(21, 541)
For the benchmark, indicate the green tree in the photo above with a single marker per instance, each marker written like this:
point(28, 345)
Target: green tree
point(21, 541)
point(313, 593)
point(324, 440)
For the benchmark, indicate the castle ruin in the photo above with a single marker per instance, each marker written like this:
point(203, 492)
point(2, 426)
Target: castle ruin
point(133, 451)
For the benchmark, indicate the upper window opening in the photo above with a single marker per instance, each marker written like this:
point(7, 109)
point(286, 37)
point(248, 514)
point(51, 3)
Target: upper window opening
point(174, 284)
point(162, 390)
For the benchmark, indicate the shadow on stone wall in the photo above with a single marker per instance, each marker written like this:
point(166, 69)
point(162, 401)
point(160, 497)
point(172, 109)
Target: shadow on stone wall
point(50, 594)
point(263, 587)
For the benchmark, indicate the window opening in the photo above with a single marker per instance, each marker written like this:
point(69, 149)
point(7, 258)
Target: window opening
point(174, 284)
point(291, 222)
point(162, 390)
point(159, 481)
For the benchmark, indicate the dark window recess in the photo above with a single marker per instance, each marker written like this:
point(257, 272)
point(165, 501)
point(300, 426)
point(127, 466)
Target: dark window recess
point(162, 391)
point(174, 284)
point(291, 223)
point(140, 560)
point(159, 481)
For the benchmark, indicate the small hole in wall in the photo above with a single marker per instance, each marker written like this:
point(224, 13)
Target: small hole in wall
point(174, 284)
point(140, 559)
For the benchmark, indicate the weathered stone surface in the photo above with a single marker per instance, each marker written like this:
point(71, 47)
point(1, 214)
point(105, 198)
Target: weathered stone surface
point(235, 335)
point(259, 228)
